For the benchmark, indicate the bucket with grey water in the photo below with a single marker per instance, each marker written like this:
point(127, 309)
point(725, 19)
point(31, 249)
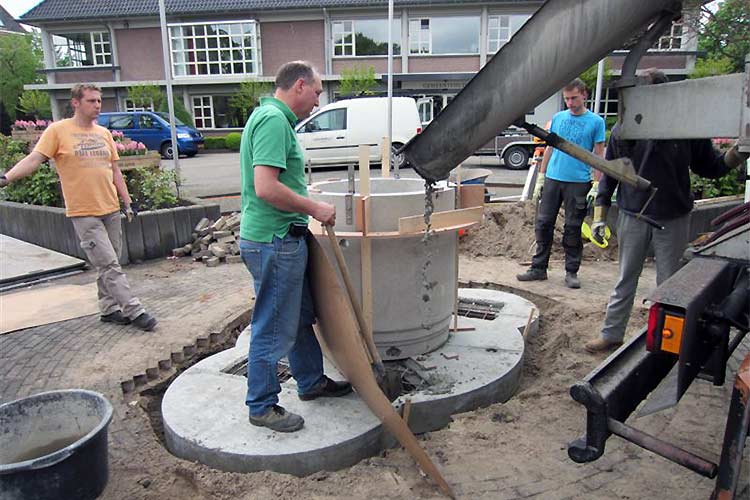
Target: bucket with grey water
point(413, 283)
point(53, 445)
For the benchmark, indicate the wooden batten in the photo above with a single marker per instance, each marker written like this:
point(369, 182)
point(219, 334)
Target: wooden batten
point(453, 219)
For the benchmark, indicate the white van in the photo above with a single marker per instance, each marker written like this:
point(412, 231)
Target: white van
point(332, 135)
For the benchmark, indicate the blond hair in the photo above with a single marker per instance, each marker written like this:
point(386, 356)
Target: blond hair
point(79, 88)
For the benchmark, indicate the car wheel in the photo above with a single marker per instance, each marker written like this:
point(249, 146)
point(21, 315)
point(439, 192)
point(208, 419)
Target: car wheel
point(397, 160)
point(516, 158)
point(166, 150)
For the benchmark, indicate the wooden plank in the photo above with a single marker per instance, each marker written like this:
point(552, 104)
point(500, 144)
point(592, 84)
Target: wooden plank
point(449, 218)
point(471, 195)
point(366, 244)
point(385, 155)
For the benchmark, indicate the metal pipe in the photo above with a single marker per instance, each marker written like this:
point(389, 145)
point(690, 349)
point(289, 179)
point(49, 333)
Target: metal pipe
point(621, 169)
point(630, 65)
point(557, 44)
point(664, 449)
point(166, 52)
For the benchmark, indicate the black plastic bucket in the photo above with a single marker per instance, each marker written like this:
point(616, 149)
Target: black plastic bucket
point(53, 445)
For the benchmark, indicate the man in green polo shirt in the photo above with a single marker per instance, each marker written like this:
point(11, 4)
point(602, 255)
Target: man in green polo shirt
point(275, 210)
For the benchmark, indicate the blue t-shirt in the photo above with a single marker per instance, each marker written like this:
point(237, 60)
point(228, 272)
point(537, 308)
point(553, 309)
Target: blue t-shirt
point(584, 130)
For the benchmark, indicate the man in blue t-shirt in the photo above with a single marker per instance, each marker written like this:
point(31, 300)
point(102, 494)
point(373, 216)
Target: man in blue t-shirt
point(567, 181)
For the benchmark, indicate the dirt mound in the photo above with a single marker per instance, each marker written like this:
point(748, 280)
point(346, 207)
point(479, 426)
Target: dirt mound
point(508, 230)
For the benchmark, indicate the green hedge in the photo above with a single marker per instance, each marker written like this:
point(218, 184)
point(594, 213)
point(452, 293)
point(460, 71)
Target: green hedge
point(215, 142)
point(232, 141)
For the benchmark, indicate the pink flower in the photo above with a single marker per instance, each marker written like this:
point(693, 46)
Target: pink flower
point(141, 146)
point(120, 147)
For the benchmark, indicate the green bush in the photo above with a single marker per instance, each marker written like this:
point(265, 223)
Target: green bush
point(729, 185)
point(180, 112)
point(42, 188)
point(232, 141)
point(151, 189)
point(215, 142)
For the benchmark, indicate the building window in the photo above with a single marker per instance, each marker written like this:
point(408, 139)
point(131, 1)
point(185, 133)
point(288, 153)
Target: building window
point(444, 35)
point(607, 105)
point(131, 105)
point(673, 39)
point(228, 48)
point(419, 36)
point(501, 29)
point(364, 37)
point(203, 111)
point(82, 49)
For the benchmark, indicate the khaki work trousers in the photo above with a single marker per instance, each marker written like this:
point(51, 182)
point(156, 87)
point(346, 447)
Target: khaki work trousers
point(101, 241)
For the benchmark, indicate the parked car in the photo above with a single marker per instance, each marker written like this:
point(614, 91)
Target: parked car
point(152, 129)
point(333, 134)
point(515, 146)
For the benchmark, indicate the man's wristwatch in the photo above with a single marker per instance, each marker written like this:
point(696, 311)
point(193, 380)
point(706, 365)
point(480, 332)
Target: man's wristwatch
point(4, 181)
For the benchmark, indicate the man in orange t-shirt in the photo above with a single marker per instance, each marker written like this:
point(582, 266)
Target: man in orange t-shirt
point(84, 154)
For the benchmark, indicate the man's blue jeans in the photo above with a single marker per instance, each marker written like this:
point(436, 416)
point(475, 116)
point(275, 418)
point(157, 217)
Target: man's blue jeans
point(282, 320)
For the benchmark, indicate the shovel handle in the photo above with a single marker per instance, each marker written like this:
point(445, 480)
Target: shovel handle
point(363, 328)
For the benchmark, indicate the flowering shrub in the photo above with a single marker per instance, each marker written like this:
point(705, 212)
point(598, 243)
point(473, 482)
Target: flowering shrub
point(722, 144)
point(31, 124)
point(131, 148)
point(117, 135)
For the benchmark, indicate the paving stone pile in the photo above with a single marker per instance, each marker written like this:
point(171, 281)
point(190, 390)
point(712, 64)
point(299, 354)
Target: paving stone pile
point(214, 242)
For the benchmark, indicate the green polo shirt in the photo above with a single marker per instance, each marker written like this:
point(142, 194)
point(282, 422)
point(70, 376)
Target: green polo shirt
point(269, 139)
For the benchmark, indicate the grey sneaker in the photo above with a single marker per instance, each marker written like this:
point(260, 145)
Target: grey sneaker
point(145, 322)
point(572, 281)
point(532, 274)
point(279, 420)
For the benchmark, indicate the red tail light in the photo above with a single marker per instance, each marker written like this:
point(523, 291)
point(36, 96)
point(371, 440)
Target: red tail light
point(419, 130)
point(653, 323)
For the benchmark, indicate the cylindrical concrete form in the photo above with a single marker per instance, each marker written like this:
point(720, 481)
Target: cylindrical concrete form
point(413, 283)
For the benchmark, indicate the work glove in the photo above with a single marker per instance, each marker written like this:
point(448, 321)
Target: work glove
point(599, 227)
point(591, 196)
point(537, 194)
point(734, 158)
point(3, 181)
point(130, 212)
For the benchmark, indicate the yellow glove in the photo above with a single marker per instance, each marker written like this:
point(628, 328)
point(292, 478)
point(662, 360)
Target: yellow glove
point(538, 186)
point(599, 227)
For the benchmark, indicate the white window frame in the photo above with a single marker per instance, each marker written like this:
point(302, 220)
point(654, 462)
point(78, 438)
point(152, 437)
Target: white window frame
point(674, 40)
point(607, 98)
point(199, 111)
point(499, 36)
point(339, 28)
point(129, 105)
point(418, 40)
point(101, 49)
point(213, 56)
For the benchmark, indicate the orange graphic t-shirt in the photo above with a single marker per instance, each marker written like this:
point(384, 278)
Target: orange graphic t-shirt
point(83, 159)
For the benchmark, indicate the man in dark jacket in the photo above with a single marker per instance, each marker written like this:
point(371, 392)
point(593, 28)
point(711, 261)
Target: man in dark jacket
point(667, 164)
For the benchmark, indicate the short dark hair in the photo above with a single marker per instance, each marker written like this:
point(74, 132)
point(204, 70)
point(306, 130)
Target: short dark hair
point(293, 71)
point(652, 76)
point(576, 83)
point(79, 88)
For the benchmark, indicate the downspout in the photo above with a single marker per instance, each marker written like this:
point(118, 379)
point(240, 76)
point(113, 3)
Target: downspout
point(328, 55)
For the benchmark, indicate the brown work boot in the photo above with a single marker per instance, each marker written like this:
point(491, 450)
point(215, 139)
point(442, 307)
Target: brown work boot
point(601, 345)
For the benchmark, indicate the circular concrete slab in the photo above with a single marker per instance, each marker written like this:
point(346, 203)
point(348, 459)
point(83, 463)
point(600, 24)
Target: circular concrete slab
point(205, 418)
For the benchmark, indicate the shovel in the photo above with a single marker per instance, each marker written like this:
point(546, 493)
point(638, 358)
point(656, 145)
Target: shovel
point(378, 369)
